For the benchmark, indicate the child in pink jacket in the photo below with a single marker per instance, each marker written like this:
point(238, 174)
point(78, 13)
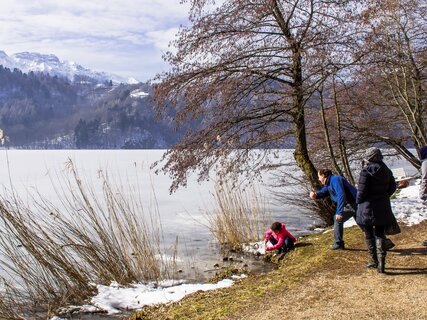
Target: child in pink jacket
point(280, 238)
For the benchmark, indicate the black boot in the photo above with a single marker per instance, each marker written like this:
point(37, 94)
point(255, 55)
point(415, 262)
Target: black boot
point(372, 251)
point(381, 253)
point(389, 244)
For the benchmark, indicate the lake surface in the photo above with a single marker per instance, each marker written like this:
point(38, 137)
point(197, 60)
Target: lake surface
point(183, 213)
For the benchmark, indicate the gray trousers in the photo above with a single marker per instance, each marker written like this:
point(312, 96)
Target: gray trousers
point(349, 211)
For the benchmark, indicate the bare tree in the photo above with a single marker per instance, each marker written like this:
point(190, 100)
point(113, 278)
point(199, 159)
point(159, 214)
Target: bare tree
point(335, 142)
point(391, 83)
point(242, 75)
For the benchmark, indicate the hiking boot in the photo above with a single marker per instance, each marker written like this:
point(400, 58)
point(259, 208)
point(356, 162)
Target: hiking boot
point(388, 244)
point(381, 254)
point(372, 251)
point(338, 246)
point(425, 243)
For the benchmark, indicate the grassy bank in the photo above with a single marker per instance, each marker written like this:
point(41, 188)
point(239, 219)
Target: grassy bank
point(298, 282)
point(311, 253)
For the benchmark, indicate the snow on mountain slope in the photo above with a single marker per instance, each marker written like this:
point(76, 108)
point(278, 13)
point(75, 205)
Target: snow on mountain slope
point(139, 94)
point(49, 63)
point(6, 61)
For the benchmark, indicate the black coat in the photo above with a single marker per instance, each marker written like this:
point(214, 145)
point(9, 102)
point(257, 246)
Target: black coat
point(376, 185)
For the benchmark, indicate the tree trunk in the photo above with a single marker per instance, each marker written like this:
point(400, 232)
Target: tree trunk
point(301, 154)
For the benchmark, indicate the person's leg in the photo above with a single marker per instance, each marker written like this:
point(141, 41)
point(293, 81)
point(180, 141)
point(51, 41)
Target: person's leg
point(273, 241)
point(282, 249)
point(368, 231)
point(289, 244)
point(338, 234)
point(339, 227)
point(381, 249)
point(371, 246)
point(379, 232)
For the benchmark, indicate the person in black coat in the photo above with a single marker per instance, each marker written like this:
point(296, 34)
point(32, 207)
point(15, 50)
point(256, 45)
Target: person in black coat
point(376, 185)
point(423, 185)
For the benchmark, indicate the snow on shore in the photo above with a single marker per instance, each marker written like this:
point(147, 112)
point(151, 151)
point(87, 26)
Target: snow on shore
point(113, 299)
point(407, 207)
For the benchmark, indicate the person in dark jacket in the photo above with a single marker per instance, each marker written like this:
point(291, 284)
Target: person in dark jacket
point(423, 185)
point(376, 185)
point(344, 194)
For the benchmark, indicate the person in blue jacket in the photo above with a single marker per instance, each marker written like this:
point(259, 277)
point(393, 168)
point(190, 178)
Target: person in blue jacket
point(344, 195)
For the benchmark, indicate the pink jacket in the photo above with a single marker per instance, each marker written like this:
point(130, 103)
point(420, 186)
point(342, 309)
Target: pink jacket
point(280, 237)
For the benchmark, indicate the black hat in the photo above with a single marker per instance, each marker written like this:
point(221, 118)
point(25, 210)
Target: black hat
point(373, 155)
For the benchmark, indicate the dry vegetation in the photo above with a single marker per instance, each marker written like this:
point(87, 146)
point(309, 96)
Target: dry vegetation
point(237, 217)
point(52, 256)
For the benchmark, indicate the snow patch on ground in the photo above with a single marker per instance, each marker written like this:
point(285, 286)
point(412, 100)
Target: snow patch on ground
point(113, 299)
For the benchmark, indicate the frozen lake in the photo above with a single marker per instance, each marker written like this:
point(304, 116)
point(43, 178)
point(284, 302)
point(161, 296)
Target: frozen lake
point(182, 213)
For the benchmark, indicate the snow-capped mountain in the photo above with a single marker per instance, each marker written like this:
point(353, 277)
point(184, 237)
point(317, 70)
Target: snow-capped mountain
point(50, 64)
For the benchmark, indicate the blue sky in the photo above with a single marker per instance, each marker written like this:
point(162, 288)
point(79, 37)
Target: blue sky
point(124, 37)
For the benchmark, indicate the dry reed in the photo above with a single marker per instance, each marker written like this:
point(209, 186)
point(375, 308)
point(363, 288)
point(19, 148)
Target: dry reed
point(239, 216)
point(52, 255)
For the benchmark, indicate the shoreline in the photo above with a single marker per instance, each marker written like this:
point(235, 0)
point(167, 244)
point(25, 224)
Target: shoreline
point(312, 258)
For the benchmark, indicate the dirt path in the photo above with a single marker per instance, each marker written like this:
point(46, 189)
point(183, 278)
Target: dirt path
point(344, 289)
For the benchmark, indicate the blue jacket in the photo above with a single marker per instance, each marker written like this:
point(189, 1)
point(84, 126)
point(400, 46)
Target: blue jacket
point(340, 191)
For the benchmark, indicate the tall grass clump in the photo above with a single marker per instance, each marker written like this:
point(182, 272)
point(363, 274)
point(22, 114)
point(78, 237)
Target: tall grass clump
point(53, 255)
point(238, 216)
point(290, 188)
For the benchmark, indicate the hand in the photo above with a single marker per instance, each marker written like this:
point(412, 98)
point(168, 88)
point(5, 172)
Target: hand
point(338, 217)
point(313, 195)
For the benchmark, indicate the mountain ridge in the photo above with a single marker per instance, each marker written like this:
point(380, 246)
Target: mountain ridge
point(52, 65)
point(40, 111)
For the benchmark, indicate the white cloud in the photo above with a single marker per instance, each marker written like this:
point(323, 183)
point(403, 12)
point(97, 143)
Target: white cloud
point(126, 37)
point(162, 38)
